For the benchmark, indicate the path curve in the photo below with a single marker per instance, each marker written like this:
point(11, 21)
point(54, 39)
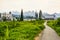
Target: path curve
point(49, 33)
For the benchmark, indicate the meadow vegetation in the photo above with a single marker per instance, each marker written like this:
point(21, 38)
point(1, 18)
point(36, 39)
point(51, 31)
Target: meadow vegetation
point(23, 30)
point(55, 24)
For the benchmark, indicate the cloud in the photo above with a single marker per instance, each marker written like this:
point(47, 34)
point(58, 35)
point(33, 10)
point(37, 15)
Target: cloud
point(49, 6)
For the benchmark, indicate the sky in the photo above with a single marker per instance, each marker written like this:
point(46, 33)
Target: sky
point(49, 6)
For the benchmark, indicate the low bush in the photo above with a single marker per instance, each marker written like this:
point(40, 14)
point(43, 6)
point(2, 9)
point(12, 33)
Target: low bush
point(55, 25)
point(24, 30)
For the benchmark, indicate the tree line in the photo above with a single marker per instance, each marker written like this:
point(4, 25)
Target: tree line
point(36, 15)
point(21, 17)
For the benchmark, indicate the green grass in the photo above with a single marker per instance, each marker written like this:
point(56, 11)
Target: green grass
point(53, 24)
point(24, 30)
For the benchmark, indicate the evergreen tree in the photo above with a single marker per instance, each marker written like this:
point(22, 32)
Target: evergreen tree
point(9, 12)
point(4, 18)
point(40, 15)
point(36, 15)
point(21, 19)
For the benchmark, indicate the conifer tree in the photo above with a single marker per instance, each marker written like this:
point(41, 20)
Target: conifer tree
point(21, 19)
point(40, 15)
point(36, 15)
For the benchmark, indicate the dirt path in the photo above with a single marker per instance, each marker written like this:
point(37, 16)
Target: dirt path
point(49, 34)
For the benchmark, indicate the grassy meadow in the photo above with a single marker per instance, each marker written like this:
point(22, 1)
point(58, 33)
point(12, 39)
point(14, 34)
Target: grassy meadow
point(23, 30)
point(55, 24)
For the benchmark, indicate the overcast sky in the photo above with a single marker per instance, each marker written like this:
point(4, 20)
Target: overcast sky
point(49, 6)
